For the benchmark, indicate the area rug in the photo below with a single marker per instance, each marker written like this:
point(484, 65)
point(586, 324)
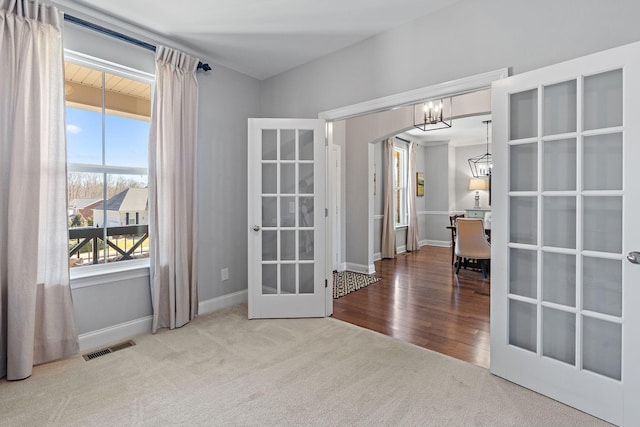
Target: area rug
point(345, 282)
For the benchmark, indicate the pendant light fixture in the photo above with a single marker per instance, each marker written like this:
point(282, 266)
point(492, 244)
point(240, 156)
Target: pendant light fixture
point(481, 166)
point(431, 115)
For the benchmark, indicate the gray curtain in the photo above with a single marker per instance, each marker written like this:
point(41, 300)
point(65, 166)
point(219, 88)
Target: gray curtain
point(412, 231)
point(36, 312)
point(172, 190)
point(388, 249)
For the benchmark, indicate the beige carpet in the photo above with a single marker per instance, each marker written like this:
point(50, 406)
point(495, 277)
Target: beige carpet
point(223, 369)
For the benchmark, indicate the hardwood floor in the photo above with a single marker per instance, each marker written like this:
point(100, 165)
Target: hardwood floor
point(420, 300)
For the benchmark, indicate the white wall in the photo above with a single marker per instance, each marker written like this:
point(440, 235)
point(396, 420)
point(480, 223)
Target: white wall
point(466, 38)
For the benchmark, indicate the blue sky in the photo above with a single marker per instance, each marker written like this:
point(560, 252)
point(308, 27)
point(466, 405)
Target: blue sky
point(126, 140)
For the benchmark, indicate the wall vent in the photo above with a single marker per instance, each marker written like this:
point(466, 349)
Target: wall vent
point(105, 351)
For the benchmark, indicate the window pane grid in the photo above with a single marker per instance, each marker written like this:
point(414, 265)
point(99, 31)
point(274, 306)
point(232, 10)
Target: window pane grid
point(107, 118)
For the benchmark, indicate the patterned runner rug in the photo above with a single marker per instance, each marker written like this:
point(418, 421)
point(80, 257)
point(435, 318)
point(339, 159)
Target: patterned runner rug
point(345, 282)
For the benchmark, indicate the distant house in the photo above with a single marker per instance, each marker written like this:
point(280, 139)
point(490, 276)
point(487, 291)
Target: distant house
point(83, 207)
point(128, 207)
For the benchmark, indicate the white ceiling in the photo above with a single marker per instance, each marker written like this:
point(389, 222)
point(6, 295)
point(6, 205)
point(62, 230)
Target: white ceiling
point(463, 131)
point(263, 38)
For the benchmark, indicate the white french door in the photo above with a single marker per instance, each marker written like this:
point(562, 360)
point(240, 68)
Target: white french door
point(565, 301)
point(286, 218)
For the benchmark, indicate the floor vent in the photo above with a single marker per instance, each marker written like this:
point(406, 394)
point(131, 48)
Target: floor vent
point(105, 351)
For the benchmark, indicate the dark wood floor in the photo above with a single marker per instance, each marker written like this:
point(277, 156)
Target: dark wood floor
point(420, 300)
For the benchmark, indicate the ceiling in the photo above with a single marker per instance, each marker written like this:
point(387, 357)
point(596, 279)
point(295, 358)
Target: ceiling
point(263, 38)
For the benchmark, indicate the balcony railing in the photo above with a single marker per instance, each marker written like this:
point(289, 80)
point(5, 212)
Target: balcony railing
point(87, 244)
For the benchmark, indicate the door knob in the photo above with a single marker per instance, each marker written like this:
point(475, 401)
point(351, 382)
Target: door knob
point(256, 228)
point(633, 257)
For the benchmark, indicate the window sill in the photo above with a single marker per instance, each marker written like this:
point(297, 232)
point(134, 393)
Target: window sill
point(401, 226)
point(94, 275)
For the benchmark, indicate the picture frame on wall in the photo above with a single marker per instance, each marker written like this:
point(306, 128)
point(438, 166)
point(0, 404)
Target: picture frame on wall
point(420, 184)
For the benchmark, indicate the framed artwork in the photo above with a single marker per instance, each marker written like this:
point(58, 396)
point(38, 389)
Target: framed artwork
point(420, 184)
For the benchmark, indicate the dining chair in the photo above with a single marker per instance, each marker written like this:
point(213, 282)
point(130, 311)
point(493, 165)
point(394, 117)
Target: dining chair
point(452, 222)
point(471, 244)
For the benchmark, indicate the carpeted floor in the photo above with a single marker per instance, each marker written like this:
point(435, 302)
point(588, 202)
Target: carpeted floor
point(345, 282)
point(222, 369)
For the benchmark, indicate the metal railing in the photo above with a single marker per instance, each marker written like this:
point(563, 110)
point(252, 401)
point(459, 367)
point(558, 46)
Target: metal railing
point(87, 243)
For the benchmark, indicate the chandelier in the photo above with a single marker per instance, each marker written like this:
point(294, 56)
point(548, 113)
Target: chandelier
point(432, 115)
point(482, 166)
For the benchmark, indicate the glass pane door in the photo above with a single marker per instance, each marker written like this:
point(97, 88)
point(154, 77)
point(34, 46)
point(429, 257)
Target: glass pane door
point(286, 214)
point(565, 229)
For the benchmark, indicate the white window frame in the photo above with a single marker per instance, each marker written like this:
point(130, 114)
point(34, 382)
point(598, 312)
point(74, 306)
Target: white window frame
point(400, 188)
point(92, 270)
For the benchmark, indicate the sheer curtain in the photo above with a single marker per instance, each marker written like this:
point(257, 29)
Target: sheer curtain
point(36, 311)
point(388, 249)
point(412, 231)
point(172, 190)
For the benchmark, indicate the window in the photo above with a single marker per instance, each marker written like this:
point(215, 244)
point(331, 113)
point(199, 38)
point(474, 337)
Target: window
point(400, 186)
point(108, 112)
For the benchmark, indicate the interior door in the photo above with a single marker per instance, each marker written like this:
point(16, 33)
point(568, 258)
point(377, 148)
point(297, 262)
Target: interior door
point(286, 218)
point(565, 301)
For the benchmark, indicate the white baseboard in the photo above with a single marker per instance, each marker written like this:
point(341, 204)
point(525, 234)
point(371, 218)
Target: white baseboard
point(113, 334)
point(401, 249)
point(341, 266)
point(224, 301)
point(377, 256)
point(124, 331)
point(440, 243)
point(361, 268)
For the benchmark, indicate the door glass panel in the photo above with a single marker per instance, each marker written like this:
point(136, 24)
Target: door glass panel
point(306, 211)
point(288, 212)
point(306, 178)
point(559, 167)
point(269, 211)
point(523, 167)
point(288, 282)
point(288, 245)
point(523, 220)
point(269, 178)
point(559, 335)
point(306, 244)
point(602, 224)
point(560, 108)
point(287, 178)
point(602, 347)
point(269, 279)
point(269, 245)
point(602, 164)
point(287, 144)
point(306, 278)
point(602, 285)
point(269, 144)
point(523, 114)
point(523, 272)
point(306, 144)
point(559, 222)
point(603, 100)
point(559, 278)
point(523, 325)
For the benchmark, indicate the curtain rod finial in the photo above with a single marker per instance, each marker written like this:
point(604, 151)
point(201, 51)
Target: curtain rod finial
point(203, 66)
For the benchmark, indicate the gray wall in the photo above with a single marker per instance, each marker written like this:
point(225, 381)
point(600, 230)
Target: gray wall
point(465, 199)
point(470, 36)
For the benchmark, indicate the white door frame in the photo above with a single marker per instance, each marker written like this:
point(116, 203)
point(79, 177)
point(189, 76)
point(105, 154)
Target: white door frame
point(446, 89)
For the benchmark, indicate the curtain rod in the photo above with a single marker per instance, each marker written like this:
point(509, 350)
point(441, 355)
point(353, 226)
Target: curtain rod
point(124, 37)
point(405, 140)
